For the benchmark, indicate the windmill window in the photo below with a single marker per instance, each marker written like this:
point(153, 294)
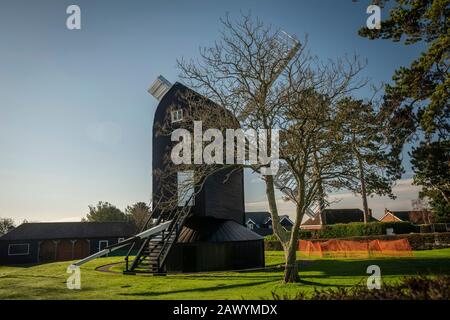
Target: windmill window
point(176, 115)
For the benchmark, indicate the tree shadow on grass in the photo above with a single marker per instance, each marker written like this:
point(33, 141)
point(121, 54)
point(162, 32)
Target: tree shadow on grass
point(18, 276)
point(388, 266)
point(353, 267)
point(320, 284)
point(196, 290)
point(237, 276)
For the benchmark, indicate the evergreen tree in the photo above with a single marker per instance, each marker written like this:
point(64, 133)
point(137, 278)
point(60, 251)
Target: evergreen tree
point(418, 100)
point(373, 167)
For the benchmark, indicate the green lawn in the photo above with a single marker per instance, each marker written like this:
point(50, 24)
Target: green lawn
point(48, 281)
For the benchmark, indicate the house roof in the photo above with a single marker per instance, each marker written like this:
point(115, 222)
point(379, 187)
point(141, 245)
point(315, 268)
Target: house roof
point(334, 216)
point(210, 229)
point(402, 215)
point(418, 217)
point(261, 217)
point(70, 230)
point(312, 221)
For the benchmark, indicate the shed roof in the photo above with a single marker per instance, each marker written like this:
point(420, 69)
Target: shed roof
point(69, 230)
point(208, 229)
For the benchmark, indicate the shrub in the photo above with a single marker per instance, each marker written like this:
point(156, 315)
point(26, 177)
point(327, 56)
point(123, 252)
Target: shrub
point(440, 227)
point(304, 234)
point(410, 288)
point(435, 227)
point(425, 228)
point(270, 237)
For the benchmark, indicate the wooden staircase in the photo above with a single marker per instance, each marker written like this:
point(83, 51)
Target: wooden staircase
point(151, 255)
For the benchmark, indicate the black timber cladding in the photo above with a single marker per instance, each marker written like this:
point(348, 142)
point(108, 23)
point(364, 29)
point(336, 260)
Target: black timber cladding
point(69, 230)
point(217, 199)
point(214, 237)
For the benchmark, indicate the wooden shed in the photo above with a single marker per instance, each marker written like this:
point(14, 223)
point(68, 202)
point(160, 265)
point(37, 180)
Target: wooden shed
point(60, 241)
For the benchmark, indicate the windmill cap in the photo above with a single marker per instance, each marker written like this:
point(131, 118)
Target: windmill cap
point(159, 87)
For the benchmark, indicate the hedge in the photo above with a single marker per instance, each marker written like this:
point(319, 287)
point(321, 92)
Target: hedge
point(356, 229)
point(417, 241)
point(436, 227)
point(363, 229)
point(304, 234)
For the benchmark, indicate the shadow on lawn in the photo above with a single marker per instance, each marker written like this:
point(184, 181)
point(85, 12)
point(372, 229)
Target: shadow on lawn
point(18, 276)
point(404, 266)
point(329, 268)
point(198, 290)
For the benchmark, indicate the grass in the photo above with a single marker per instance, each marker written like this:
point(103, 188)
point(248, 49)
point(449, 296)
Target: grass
point(48, 281)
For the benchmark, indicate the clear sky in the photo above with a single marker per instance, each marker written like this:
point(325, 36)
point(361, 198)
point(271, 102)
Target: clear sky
point(75, 115)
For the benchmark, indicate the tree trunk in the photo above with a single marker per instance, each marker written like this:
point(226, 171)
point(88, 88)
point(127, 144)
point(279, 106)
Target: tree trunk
point(278, 230)
point(363, 189)
point(289, 243)
point(291, 268)
point(320, 189)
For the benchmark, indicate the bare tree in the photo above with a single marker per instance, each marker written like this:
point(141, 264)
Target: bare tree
point(269, 81)
point(241, 73)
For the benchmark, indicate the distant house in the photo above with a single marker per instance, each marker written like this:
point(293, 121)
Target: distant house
point(334, 216)
point(416, 217)
point(60, 241)
point(261, 222)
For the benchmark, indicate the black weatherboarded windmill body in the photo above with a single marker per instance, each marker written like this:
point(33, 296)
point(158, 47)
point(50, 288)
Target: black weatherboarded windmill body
point(211, 234)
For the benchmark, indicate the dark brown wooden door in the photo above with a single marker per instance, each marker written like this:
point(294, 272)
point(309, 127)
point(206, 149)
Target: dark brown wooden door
point(80, 249)
point(64, 250)
point(47, 251)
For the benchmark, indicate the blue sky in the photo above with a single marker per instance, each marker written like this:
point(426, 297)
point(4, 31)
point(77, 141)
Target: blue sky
point(75, 115)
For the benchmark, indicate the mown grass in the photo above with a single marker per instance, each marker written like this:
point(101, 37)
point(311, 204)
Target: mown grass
point(48, 281)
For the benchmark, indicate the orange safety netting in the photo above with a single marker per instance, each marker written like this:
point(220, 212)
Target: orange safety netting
point(360, 249)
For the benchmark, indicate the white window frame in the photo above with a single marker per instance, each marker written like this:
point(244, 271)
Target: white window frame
point(18, 254)
point(100, 244)
point(176, 115)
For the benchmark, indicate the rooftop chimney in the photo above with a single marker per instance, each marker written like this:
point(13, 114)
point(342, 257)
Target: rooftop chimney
point(159, 88)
